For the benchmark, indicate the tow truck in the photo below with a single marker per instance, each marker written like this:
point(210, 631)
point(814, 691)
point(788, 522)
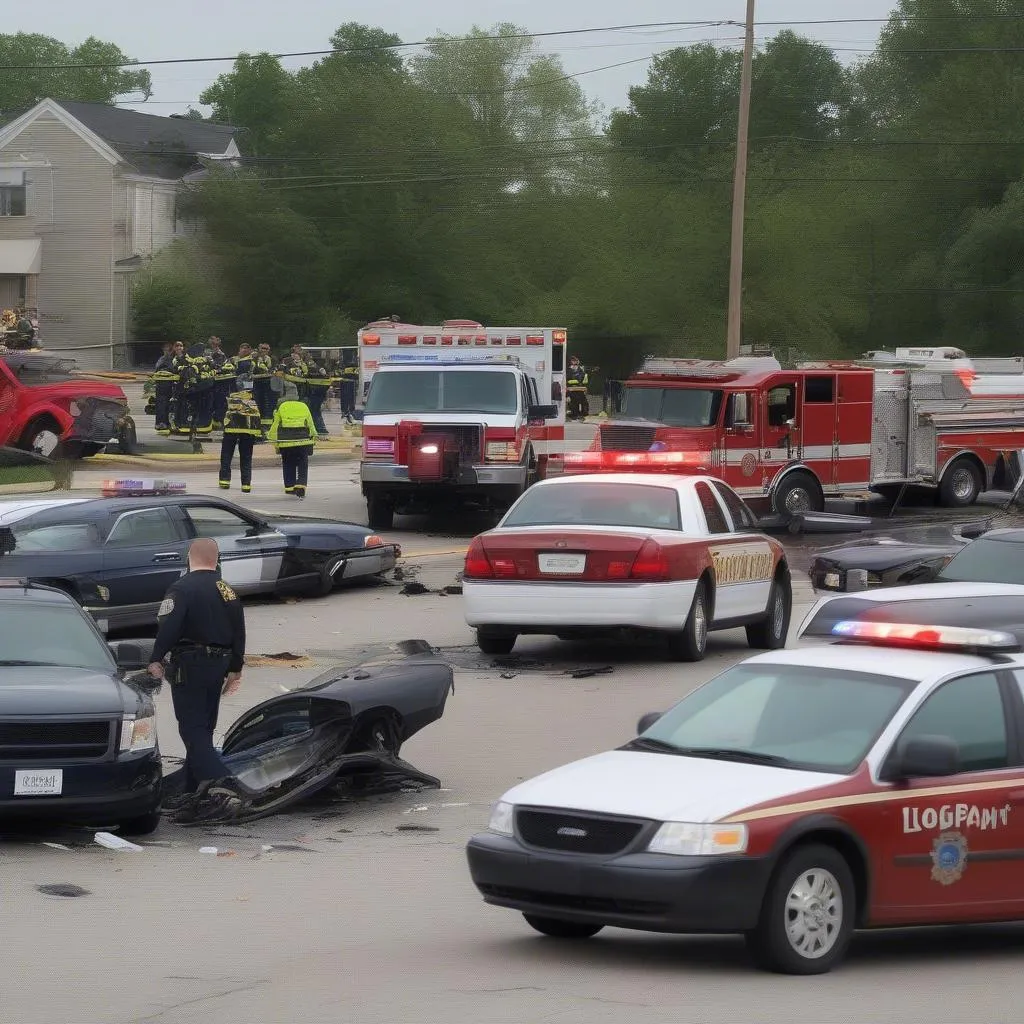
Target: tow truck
point(785, 439)
point(458, 414)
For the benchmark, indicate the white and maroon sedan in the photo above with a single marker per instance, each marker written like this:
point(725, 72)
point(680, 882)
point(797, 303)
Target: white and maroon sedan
point(651, 552)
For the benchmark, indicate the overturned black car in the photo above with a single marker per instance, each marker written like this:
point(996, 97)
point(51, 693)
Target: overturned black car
point(971, 556)
point(339, 736)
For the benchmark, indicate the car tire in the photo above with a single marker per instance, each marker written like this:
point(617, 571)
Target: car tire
point(43, 433)
point(557, 928)
point(960, 485)
point(807, 918)
point(691, 642)
point(496, 641)
point(772, 632)
point(380, 513)
point(143, 825)
point(798, 492)
point(325, 585)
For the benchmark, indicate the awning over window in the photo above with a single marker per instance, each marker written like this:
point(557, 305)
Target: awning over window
point(21, 256)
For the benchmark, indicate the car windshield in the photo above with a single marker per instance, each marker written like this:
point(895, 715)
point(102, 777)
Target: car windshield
point(986, 560)
point(640, 506)
point(38, 633)
point(816, 719)
point(675, 407)
point(468, 391)
point(37, 370)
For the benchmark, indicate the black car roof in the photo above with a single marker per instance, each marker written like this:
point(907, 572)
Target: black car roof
point(18, 589)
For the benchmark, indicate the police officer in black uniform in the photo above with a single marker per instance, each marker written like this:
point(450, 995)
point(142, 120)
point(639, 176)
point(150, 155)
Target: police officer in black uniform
point(202, 628)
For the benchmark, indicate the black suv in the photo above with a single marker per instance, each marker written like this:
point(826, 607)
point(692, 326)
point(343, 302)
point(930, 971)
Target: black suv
point(78, 741)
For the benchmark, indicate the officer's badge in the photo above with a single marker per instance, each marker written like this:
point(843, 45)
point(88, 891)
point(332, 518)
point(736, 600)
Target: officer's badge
point(166, 607)
point(949, 858)
point(226, 592)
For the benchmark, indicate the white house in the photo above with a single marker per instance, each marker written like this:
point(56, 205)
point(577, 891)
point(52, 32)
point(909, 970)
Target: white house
point(88, 192)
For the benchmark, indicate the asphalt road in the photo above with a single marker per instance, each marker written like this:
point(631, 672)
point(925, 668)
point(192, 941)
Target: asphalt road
point(372, 923)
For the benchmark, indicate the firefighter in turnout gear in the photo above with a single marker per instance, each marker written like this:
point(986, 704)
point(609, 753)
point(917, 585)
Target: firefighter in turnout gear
point(318, 382)
point(262, 371)
point(242, 428)
point(165, 381)
point(293, 370)
point(196, 383)
point(347, 385)
point(293, 434)
point(224, 377)
point(576, 383)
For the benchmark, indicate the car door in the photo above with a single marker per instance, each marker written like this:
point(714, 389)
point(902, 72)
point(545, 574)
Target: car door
point(250, 556)
point(760, 568)
point(956, 843)
point(738, 561)
point(144, 552)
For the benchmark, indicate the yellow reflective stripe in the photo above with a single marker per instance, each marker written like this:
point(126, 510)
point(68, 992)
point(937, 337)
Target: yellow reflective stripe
point(903, 795)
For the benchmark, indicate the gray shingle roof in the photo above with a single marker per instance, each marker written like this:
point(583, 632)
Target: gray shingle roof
point(165, 147)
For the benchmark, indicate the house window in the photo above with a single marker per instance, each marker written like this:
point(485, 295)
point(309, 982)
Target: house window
point(12, 201)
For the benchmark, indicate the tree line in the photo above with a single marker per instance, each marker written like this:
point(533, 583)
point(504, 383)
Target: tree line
point(477, 179)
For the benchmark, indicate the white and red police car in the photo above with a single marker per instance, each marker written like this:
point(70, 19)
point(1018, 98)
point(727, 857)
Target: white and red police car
point(648, 551)
point(798, 796)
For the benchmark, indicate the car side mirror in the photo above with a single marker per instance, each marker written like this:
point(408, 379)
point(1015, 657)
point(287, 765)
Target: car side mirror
point(647, 721)
point(537, 414)
point(926, 757)
point(132, 655)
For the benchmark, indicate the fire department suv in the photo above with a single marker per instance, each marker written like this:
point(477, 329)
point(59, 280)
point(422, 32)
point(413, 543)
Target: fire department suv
point(800, 795)
point(787, 439)
point(457, 414)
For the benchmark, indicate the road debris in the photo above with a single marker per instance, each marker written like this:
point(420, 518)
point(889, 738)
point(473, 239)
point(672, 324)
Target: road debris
point(208, 849)
point(416, 828)
point(112, 842)
point(276, 660)
point(413, 589)
point(292, 847)
point(62, 889)
point(586, 673)
point(57, 846)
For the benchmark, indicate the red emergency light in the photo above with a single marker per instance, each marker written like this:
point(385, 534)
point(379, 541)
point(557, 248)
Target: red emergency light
point(371, 339)
point(559, 337)
point(481, 339)
point(638, 462)
point(430, 341)
point(927, 638)
point(407, 339)
point(535, 339)
point(447, 339)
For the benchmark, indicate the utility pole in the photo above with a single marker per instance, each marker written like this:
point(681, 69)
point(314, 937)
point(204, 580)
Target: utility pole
point(739, 195)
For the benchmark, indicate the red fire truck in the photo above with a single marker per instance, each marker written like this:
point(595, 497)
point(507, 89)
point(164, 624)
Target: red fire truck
point(787, 439)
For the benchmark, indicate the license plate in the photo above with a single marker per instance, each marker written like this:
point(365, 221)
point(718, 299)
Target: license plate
point(562, 565)
point(832, 580)
point(45, 782)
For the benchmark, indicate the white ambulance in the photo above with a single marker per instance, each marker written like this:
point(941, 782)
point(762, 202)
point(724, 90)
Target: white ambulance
point(456, 415)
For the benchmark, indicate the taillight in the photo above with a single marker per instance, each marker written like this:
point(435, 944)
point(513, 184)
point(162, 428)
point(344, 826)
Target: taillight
point(650, 564)
point(478, 566)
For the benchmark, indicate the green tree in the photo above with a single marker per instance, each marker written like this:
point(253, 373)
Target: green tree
point(172, 300)
point(41, 66)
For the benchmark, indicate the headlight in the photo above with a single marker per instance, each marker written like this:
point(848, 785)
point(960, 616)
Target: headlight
point(138, 734)
point(689, 840)
point(501, 818)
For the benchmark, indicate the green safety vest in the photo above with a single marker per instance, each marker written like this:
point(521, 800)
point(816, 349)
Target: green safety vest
point(293, 425)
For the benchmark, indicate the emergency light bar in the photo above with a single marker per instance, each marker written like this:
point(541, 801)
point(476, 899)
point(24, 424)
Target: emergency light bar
point(437, 359)
point(928, 638)
point(651, 462)
point(124, 488)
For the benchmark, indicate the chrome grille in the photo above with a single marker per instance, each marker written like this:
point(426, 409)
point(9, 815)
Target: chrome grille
point(469, 437)
point(627, 438)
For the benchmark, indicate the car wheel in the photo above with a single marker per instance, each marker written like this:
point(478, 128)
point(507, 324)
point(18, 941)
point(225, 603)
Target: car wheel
point(961, 485)
point(325, 584)
point(143, 825)
point(494, 642)
point(380, 513)
point(43, 438)
point(798, 492)
point(771, 633)
point(690, 643)
point(807, 918)
point(556, 928)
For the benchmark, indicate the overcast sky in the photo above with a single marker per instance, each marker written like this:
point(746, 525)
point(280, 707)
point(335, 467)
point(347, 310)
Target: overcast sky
point(149, 30)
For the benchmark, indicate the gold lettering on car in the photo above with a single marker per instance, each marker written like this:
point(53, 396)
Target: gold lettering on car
point(742, 564)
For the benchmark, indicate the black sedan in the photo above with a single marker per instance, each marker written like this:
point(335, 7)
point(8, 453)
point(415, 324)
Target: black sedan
point(78, 742)
point(117, 556)
point(995, 557)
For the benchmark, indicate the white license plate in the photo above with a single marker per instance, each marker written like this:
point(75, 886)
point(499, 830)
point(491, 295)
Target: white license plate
point(832, 580)
point(44, 782)
point(562, 565)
